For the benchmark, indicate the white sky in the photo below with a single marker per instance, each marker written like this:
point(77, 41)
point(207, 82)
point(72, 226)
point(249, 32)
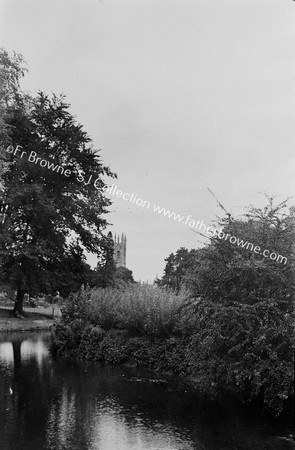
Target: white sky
point(180, 95)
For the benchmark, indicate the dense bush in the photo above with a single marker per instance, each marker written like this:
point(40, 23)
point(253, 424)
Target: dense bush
point(243, 349)
point(139, 309)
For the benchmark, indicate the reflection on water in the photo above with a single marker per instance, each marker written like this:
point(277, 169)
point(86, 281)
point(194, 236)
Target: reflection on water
point(58, 405)
point(34, 347)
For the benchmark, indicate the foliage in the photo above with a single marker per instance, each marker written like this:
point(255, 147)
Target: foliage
point(110, 277)
point(123, 275)
point(177, 267)
point(242, 325)
point(78, 306)
point(12, 69)
point(48, 219)
point(139, 309)
point(105, 270)
point(242, 349)
point(228, 272)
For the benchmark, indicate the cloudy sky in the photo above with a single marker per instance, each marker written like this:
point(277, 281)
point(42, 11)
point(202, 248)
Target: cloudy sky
point(180, 95)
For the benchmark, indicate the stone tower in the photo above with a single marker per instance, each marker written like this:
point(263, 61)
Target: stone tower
point(120, 250)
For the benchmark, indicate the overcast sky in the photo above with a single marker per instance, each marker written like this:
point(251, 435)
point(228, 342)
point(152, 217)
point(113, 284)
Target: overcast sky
point(180, 95)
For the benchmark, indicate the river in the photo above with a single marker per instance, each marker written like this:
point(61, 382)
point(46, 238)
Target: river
point(52, 404)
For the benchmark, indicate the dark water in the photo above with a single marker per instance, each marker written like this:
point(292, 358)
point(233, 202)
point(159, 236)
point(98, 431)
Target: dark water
point(57, 405)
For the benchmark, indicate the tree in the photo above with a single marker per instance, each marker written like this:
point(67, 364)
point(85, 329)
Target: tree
point(52, 206)
point(12, 69)
point(177, 267)
point(69, 274)
point(123, 276)
point(242, 329)
point(106, 267)
point(228, 272)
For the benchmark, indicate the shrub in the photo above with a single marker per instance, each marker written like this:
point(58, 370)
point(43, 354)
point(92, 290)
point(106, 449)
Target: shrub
point(140, 309)
point(78, 306)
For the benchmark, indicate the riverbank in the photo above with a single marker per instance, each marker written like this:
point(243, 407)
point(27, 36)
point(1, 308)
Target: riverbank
point(226, 350)
point(41, 320)
point(171, 359)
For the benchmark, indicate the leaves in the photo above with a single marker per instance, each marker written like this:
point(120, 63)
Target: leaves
point(45, 214)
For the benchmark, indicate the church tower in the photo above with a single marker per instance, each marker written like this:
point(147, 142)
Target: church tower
point(120, 250)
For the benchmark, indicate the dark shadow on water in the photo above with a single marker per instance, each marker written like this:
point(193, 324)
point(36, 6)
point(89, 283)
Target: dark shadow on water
point(52, 404)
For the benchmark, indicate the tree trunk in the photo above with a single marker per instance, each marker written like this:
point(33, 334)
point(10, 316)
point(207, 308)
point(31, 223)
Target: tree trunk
point(16, 345)
point(18, 306)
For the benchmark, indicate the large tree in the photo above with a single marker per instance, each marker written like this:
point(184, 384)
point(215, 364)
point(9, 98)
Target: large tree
point(12, 69)
point(233, 267)
point(242, 327)
point(51, 207)
point(177, 267)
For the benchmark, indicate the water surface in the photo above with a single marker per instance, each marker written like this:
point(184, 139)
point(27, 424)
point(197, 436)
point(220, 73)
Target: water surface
point(51, 404)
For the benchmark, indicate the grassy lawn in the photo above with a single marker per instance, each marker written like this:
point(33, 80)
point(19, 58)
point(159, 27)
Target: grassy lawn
point(39, 318)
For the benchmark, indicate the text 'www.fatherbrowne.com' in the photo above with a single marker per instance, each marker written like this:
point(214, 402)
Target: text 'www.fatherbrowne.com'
point(198, 226)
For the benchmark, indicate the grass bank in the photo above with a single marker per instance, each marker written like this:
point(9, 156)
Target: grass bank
point(35, 320)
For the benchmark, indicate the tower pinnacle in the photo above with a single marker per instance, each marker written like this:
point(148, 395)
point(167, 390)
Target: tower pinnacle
point(120, 250)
